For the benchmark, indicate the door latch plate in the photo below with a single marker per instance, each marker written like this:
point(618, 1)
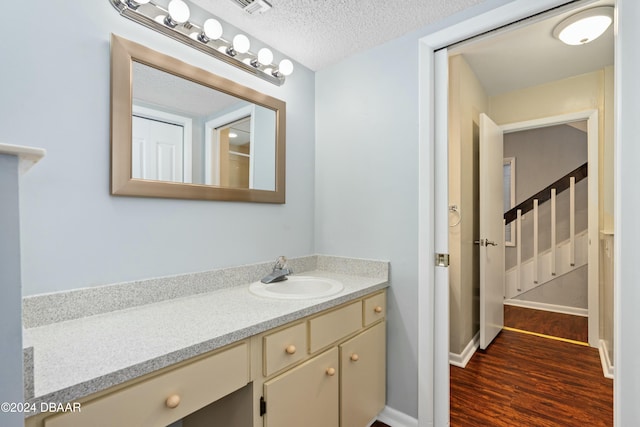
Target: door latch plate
point(442, 260)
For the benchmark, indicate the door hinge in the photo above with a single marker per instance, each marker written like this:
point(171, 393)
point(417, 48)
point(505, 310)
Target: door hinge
point(442, 260)
point(263, 406)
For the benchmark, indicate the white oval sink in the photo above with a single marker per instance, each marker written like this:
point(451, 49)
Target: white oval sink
point(297, 287)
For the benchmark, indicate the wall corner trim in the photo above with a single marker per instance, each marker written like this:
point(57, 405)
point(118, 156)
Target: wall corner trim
point(396, 418)
point(461, 360)
point(607, 365)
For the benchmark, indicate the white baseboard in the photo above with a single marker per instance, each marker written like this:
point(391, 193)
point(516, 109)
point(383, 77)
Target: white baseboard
point(607, 366)
point(461, 360)
point(396, 418)
point(548, 307)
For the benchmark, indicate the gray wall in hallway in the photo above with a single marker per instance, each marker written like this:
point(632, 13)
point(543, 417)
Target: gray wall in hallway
point(11, 386)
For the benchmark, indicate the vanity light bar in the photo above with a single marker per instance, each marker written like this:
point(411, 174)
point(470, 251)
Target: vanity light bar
point(174, 22)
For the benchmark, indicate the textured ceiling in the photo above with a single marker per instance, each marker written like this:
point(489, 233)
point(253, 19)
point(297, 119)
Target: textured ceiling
point(317, 33)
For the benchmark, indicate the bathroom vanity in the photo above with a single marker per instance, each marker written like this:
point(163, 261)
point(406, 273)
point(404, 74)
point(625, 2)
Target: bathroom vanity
point(269, 362)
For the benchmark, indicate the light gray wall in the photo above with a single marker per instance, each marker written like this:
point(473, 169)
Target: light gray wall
point(74, 233)
point(627, 277)
point(544, 155)
point(10, 291)
point(367, 186)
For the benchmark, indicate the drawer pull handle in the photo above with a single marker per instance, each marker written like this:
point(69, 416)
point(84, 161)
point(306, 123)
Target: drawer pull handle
point(355, 357)
point(378, 309)
point(172, 401)
point(331, 372)
point(291, 349)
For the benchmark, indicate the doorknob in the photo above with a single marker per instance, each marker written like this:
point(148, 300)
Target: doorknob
point(485, 242)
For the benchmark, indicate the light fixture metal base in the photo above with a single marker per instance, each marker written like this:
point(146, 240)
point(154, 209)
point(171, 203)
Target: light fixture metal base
point(175, 33)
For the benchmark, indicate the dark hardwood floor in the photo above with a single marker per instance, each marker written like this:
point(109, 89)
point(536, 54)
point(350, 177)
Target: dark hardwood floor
point(547, 323)
point(523, 380)
point(526, 380)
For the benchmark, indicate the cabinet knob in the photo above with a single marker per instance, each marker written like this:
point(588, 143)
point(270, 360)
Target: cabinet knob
point(331, 372)
point(172, 401)
point(355, 357)
point(290, 349)
point(378, 309)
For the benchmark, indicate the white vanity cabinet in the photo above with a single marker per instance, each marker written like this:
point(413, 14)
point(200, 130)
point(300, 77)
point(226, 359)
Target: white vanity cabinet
point(327, 369)
point(342, 381)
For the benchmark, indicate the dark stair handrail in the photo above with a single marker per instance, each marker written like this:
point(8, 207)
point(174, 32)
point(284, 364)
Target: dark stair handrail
point(543, 195)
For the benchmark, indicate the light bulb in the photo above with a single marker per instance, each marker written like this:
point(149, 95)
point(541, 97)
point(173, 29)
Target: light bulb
point(211, 30)
point(178, 13)
point(285, 67)
point(241, 43)
point(265, 56)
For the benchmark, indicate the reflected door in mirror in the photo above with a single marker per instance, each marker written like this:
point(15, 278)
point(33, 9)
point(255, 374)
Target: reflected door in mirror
point(157, 150)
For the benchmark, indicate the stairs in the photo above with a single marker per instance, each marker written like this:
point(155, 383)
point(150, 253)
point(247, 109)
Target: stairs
point(520, 280)
point(561, 258)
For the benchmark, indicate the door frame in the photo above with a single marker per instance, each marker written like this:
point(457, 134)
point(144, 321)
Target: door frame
point(593, 212)
point(433, 289)
point(212, 143)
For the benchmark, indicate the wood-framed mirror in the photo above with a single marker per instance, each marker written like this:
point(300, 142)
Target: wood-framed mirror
point(178, 131)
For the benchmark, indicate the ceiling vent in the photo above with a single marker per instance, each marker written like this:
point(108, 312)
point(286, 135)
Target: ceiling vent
point(253, 6)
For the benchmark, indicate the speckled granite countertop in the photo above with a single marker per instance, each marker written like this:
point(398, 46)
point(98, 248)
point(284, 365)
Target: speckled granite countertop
point(77, 357)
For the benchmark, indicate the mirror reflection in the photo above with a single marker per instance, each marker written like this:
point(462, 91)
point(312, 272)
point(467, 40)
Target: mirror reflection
point(185, 132)
point(178, 131)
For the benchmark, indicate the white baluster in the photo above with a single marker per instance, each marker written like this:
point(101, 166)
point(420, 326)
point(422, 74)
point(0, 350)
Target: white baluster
point(518, 250)
point(572, 221)
point(553, 231)
point(535, 241)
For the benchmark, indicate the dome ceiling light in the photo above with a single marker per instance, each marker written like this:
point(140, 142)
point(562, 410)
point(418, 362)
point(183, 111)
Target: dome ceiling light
point(584, 26)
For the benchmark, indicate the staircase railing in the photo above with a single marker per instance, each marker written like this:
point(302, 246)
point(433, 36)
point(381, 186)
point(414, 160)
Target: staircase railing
point(548, 193)
point(545, 194)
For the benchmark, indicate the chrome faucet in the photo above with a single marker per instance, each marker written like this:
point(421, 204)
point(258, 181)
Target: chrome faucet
point(280, 271)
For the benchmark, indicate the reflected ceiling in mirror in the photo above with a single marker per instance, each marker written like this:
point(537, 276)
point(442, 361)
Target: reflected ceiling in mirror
point(180, 131)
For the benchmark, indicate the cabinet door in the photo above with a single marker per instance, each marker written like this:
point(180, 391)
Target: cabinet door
point(362, 363)
point(306, 395)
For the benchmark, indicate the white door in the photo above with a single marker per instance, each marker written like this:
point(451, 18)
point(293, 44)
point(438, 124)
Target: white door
point(491, 231)
point(158, 150)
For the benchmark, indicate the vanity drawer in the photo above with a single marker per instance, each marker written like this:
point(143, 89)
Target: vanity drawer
point(284, 348)
point(148, 403)
point(374, 309)
point(329, 328)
